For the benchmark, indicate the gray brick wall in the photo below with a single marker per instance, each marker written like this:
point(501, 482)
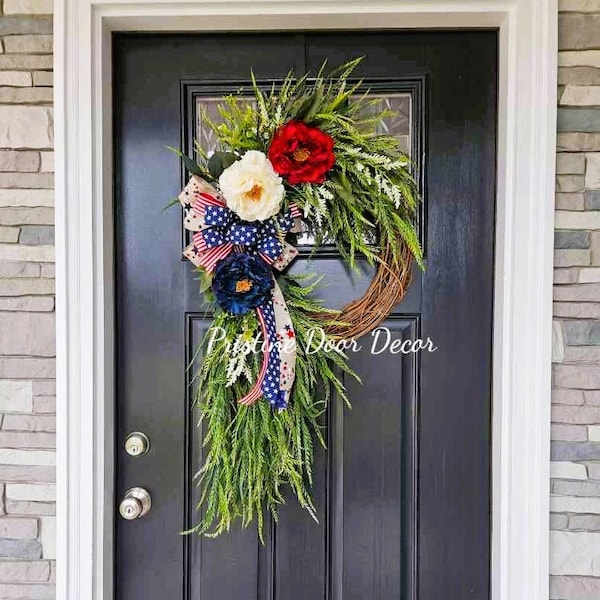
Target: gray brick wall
point(27, 403)
point(575, 468)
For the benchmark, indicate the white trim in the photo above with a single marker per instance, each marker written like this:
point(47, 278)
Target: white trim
point(522, 327)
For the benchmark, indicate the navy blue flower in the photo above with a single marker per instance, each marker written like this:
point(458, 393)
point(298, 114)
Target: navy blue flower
point(241, 282)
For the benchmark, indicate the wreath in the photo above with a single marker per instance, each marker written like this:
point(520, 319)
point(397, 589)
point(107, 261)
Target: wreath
point(304, 155)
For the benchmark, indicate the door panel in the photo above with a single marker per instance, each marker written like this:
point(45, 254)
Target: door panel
point(403, 491)
point(374, 454)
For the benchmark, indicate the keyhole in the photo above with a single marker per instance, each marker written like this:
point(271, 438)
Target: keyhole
point(137, 444)
point(136, 503)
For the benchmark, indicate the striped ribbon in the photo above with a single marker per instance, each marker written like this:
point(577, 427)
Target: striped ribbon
point(217, 233)
point(222, 229)
point(277, 371)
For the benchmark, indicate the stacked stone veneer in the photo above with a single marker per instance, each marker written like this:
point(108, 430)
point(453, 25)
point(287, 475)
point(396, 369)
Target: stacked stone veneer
point(575, 485)
point(27, 404)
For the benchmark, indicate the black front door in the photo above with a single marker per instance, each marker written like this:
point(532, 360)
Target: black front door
point(403, 493)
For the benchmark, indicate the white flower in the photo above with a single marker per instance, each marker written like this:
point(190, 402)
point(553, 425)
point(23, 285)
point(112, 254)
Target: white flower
point(251, 187)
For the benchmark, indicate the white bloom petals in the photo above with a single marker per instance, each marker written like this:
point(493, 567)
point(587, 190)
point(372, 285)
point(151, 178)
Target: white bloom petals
point(236, 365)
point(384, 187)
point(251, 187)
point(376, 160)
point(316, 198)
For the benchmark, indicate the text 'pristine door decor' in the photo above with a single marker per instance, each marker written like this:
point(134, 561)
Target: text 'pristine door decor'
point(305, 155)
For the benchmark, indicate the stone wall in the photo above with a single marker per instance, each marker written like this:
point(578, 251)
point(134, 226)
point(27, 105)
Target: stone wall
point(27, 405)
point(575, 500)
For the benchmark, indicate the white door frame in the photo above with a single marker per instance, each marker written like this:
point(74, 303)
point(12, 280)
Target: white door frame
point(523, 280)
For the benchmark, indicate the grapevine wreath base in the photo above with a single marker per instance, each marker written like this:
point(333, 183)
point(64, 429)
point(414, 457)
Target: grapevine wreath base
point(387, 288)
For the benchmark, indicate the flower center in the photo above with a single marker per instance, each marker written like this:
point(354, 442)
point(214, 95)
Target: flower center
point(243, 286)
point(301, 155)
point(254, 193)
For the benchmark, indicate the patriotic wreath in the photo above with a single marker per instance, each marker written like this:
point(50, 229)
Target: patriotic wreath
point(306, 153)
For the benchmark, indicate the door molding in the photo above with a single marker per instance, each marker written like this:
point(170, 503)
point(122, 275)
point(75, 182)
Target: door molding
point(523, 277)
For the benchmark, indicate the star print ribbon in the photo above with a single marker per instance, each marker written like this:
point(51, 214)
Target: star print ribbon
point(223, 230)
point(217, 231)
point(277, 372)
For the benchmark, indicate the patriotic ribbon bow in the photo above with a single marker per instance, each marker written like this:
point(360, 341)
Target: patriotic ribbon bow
point(223, 230)
point(218, 231)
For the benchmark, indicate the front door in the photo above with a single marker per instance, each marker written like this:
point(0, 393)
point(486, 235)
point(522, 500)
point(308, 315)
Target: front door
point(403, 493)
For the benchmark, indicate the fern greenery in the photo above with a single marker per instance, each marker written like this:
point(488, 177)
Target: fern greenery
point(251, 454)
point(370, 196)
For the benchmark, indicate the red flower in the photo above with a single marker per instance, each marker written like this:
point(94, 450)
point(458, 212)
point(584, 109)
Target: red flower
point(301, 154)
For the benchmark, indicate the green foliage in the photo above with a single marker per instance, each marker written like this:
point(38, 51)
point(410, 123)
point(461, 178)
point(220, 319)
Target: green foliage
point(368, 202)
point(369, 199)
point(219, 161)
point(250, 454)
point(192, 166)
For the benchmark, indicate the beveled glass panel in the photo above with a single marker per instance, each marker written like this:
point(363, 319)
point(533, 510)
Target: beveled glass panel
point(204, 135)
point(398, 124)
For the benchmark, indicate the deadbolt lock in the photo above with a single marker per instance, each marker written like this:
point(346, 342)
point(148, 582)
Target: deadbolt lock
point(135, 504)
point(137, 444)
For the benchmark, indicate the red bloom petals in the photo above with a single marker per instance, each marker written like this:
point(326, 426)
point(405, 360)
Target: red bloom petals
point(301, 154)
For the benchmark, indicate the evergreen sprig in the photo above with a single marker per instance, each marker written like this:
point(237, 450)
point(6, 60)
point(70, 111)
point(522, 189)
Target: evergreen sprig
point(369, 199)
point(367, 203)
point(251, 453)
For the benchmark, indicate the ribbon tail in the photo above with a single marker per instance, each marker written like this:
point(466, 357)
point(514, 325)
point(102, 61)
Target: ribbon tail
point(209, 258)
point(288, 254)
point(192, 254)
point(287, 345)
point(193, 187)
point(256, 392)
point(271, 384)
point(278, 369)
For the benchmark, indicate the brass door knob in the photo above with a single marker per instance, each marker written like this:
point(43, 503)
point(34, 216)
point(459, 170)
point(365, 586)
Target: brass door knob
point(135, 504)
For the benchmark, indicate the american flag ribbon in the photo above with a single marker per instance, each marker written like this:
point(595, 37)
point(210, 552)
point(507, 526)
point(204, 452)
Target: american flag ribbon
point(277, 372)
point(204, 199)
point(295, 211)
point(270, 384)
point(199, 242)
point(267, 258)
point(211, 247)
point(222, 232)
point(256, 392)
point(209, 258)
